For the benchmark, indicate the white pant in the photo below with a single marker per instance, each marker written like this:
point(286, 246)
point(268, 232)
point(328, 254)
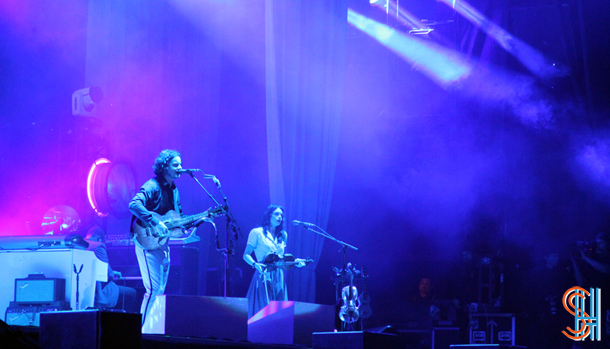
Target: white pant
point(154, 267)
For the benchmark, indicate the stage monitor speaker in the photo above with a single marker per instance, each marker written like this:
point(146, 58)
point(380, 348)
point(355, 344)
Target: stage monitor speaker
point(196, 316)
point(11, 337)
point(290, 322)
point(443, 337)
point(355, 340)
point(90, 329)
point(39, 290)
point(485, 346)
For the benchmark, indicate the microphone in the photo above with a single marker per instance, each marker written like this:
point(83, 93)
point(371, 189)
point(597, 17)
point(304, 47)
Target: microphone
point(188, 170)
point(304, 224)
point(206, 176)
point(216, 181)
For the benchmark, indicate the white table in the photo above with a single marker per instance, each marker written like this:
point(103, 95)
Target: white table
point(53, 263)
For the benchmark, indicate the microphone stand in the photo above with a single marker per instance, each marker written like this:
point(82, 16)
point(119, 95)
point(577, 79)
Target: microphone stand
point(204, 189)
point(344, 247)
point(231, 225)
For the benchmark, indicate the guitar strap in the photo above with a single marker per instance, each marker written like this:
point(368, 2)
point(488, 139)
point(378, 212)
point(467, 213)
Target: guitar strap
point(133, 220)
point(176, 195)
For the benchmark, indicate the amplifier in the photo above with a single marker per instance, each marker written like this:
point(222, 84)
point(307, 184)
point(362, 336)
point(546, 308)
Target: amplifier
point(39, 290)
point(30, 316)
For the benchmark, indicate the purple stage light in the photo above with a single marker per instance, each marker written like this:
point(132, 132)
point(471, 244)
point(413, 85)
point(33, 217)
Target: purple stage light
point(531, 58)
point(443, 66)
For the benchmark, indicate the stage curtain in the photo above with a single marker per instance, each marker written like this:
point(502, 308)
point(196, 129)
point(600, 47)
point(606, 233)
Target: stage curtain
point(305, 58)
point(160, 74)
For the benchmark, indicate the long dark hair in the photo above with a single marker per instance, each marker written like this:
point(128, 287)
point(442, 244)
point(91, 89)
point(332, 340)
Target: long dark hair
point(162, 161)
point(279, 232)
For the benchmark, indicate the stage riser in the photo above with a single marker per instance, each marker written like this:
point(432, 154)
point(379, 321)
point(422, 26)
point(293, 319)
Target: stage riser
point(193, 316)
point(290, 322)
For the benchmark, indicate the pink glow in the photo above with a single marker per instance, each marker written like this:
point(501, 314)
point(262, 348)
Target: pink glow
point(272, 308)
point(91, 182)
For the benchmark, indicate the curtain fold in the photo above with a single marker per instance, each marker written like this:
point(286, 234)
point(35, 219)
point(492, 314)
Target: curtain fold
point(305, 58)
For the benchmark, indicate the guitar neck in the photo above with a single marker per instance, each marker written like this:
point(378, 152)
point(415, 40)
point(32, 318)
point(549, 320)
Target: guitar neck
point(188, 219)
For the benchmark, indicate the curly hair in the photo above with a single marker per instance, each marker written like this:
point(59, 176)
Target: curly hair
point(279, 232)
point(163, 160)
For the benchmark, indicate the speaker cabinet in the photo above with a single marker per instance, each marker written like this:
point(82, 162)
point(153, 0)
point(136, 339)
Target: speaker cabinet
point(485, 346)
point(90, 329)
point(443, 337)
point(354, 340)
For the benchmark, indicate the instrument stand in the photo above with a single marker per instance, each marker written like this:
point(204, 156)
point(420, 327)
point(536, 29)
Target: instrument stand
point(232, 225)
point(344, 247)
point(80, 270)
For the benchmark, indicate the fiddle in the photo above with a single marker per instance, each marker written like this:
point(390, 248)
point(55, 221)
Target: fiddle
point(287, 261)
point(349, 310)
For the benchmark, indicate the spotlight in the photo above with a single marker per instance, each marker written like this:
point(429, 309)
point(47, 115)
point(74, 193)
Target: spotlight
point(425, 31)
point(60, 220)
point(110, 187)
point(84, 101)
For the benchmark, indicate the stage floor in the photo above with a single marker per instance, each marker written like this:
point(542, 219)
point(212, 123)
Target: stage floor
point(159, 341)
point(149, 341)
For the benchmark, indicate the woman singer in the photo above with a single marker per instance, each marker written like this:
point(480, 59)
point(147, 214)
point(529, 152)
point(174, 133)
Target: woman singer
point(269, 238)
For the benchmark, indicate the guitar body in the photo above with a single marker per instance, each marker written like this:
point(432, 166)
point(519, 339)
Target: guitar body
point(152, 238)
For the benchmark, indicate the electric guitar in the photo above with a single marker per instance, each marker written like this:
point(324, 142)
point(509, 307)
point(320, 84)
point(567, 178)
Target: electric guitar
point(152, 238)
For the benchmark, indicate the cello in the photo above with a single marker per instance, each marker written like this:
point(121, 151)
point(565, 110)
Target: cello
point(349, 310)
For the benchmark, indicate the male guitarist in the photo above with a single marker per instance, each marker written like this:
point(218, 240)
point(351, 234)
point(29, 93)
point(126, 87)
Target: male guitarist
point(158, 195)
